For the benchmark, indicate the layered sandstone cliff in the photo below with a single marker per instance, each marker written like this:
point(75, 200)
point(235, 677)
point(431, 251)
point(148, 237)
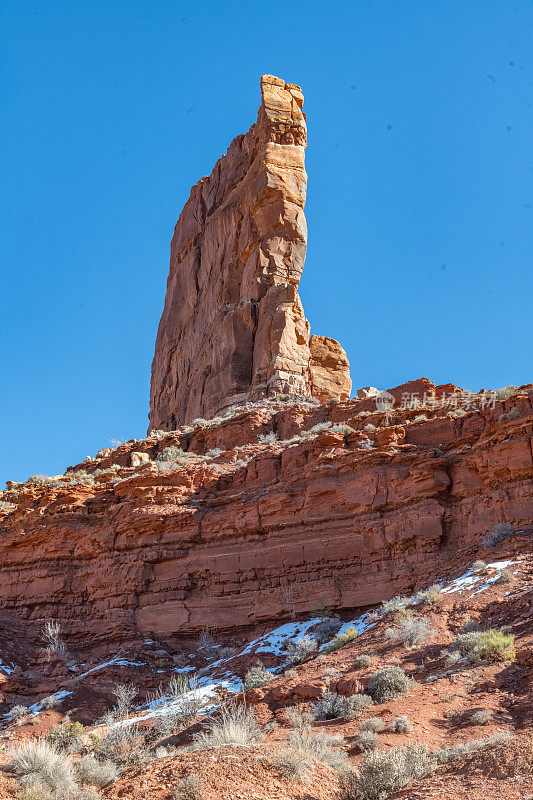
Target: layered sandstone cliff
point(341, 505)
point(233, 327)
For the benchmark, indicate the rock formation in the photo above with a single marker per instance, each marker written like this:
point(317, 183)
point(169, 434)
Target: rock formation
point(233, 327)
point(318, 513)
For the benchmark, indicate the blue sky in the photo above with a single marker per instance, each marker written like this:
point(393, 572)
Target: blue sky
point(420, 192)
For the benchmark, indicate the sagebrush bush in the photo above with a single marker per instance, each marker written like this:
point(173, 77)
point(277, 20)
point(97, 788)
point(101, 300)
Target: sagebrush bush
point(301, 649)
point(257, 676)
point(388, 684)
point(17, 712)
point(362, 661)
point(392, 606)
point(381, 773)
point(498, 534)
point(375, 724)
point(429, 596)
point(341, 639)
point(290, 763)
point(329, 706)
point(478, 565)
point(88, 769)
point(235, 725)
point(356, 704)
point(123, 744)
point(400, 725)
point(191, 787)
point(367, 740)
point(38, 760)
point(411, 632)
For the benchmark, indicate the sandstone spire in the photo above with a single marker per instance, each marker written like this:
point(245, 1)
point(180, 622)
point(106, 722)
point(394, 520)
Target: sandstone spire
point(233, 327)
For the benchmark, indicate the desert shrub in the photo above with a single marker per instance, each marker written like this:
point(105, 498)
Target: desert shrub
point(35, 790)
point(171, 453)
point(381, 773)
point(301, 649)
point(17, 712)
point(505, 576)
point(429, 596)
point(506, 392)
point(392, 606)
point(367, 740)
point(5, 506)
point(268, 438)
point(257, 676)
point(466, 643)
point(88, 769)
point(411, 632)
point(356, 704)
point(123, 744)
point(341, 428)
point(290, 764)
point(325, 630)
point(388, 684)
point(39, 761)
point(498, 534)
point(298, 718)
point(400, 725)
point(124, 694)
point(480, 718)
point(478, 565)
point(374, 724)
point(361, 661)
point(329, 706)
point(191, 787)
point(494, 645)
point(319, 746)
point(67, 736)
point(214, 453)
point(451, 658)
point(52, 639)
point(51, 702)
point(446, 754)
point(179, 684)
point(341, 639)
point(366, 444)
point(514, 413)
point(236, 725)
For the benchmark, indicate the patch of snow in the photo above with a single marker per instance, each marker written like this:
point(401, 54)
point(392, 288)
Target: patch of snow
point(276, 641)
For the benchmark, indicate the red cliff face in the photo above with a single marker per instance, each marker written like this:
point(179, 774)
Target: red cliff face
point(233, 327)
point(239, 530)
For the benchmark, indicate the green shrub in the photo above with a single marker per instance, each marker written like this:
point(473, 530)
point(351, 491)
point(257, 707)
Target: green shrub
point(341, 639)
point(388, 684)
point(493, 645)
point(67, 736)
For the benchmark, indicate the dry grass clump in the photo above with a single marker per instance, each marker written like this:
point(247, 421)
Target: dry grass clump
point(505, 576)
point(480, 718)
point(446, 754)
point(319, 746)
point(381, 773)
point(429, 596)
point(411, 632)
point(38, 761)
point(88, 770)
point(478, 565)
point(290, 764)
point(235, 725)
point(189, 788)
point(375, 724)
point(388, 684)
point(341, 639)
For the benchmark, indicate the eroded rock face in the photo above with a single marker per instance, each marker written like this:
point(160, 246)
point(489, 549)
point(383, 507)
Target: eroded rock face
point(226, 537)
point(233, 327)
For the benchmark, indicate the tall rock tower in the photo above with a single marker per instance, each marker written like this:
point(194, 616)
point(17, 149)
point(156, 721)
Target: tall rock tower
point(233, 327)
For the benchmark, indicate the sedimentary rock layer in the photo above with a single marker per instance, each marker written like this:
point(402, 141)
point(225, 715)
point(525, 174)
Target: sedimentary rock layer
point(228, 537)
point(233, 326)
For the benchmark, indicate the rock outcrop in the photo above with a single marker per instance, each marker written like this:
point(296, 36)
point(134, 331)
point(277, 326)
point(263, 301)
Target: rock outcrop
point(233, 327)
point(337, 505)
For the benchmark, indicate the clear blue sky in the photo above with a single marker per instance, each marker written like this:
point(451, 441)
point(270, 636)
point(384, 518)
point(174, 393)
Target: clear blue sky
point(420, 193)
